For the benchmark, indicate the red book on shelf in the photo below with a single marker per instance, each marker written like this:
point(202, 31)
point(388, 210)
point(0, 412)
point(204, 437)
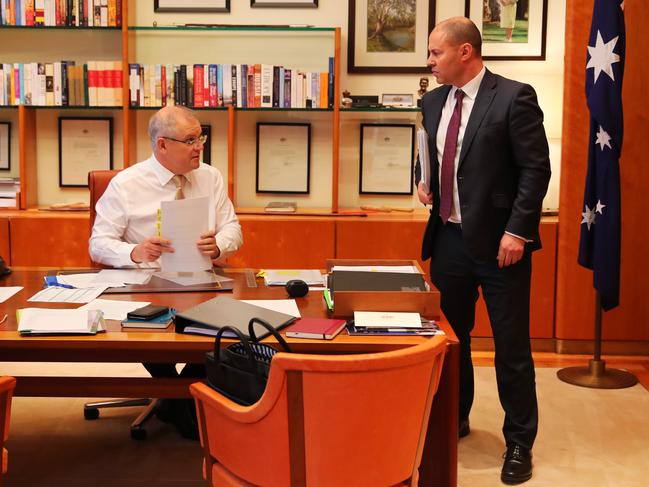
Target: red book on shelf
point(316, 328)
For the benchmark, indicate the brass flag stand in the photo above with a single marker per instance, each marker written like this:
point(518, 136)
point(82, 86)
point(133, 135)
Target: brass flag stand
point(596, 375)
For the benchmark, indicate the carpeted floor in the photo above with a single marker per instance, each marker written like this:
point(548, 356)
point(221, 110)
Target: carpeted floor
point(587, 437)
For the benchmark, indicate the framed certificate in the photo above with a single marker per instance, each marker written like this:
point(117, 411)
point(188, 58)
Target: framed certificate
point(386, 159)
point(85, 144)
point(5, 146)
point(191, 6)
point(283, 157)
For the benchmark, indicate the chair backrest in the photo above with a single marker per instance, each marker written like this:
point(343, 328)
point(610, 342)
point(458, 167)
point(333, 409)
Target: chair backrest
point(7, 386)
point(97, 184)
point(331, 420)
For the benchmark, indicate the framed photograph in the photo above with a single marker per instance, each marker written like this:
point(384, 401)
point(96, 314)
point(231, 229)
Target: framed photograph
point(283, 157)
point(207, 146)
point(387, 158)
point(389, 36)
point(85, 144)
point(191, 6)
point(511, 29)
point(284, 3)
point(397, 100)
point(5, 146)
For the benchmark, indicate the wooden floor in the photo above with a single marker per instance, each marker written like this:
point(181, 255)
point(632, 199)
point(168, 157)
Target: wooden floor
point(637, 364)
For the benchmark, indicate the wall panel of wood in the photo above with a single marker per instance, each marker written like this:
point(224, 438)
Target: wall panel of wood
point(575, 295)
point(5, 252)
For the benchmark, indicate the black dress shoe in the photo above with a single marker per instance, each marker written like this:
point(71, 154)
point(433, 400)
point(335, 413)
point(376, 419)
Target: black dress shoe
point(517, 467)
point(464, 429)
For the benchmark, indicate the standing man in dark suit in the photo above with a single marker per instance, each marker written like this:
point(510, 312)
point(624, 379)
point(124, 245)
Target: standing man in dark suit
point(489, 173)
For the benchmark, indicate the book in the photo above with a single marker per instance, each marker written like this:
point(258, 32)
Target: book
point(281, 207)
point(158, 323)
point(316, 328)
point(427, 329)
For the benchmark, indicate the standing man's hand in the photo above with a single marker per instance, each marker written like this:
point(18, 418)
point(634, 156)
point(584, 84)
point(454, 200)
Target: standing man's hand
point(510, 251)
point(150, 249)
point(207, 245)
point(424, 197)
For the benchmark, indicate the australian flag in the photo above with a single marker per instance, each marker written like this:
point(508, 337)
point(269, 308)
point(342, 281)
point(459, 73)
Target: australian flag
point(599, 245)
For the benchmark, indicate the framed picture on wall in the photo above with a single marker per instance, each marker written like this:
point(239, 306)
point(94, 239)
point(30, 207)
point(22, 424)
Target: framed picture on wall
point(5, 146)
point(207, 146)
point(389, 36)
point(85, 144)
point(386, 158)
point(283, 157)
point(191, 6)
point(511, 29)
point(284, 3)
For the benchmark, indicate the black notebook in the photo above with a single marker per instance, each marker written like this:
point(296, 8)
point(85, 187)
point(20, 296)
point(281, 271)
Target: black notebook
point(375, 281)
point(208, 317)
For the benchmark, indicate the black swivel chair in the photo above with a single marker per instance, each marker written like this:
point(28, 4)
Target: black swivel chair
point(97, 183)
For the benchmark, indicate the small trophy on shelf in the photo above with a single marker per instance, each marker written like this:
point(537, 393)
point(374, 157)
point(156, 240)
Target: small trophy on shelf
point(423, 86)
point(346, 102)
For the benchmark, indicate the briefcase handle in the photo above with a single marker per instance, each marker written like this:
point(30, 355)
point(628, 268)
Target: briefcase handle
point(271, 329)
point(244, 340)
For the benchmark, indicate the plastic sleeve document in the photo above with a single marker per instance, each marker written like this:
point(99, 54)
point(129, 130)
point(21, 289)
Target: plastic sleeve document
point(424, 158)
point(183, 222)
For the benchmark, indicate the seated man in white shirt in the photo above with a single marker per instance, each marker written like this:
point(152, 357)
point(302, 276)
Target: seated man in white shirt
point(125, 234)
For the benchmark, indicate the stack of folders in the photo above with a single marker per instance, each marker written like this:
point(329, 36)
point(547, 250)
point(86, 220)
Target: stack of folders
point(47, 321)
point(389, 323)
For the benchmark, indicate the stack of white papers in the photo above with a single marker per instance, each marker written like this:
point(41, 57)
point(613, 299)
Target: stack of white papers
point(57, 294)
point(7, 292)
point(44, 321)
point(279, 277)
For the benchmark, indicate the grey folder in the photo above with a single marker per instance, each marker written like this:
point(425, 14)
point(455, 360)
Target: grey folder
point(208, 317)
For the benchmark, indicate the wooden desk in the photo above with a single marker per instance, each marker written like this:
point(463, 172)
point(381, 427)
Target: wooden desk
point(439, 461)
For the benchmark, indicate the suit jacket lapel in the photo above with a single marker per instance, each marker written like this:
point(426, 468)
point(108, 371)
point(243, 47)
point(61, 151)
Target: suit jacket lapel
point(482, 102)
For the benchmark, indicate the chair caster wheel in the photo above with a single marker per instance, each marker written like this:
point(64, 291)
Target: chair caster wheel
point(138, 434)
point(90, 413)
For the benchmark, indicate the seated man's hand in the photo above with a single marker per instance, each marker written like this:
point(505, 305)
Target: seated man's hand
point(151, 249)
point(424, 197)
point(207, 245)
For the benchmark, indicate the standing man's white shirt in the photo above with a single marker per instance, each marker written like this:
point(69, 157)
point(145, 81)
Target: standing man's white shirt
point(127, 211)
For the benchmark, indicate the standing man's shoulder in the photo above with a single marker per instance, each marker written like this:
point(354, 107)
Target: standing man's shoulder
point(507, 85)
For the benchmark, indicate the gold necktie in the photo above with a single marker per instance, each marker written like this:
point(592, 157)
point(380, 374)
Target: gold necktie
point(179, 180)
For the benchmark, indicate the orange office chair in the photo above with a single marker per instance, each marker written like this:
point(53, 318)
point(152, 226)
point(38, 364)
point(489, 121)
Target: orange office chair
point(325, 420)
point(97, 183)
point(7, 386)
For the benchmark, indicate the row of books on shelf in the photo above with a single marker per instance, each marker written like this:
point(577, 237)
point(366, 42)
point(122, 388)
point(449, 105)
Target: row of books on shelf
point(9, 188)
point(239, 85)
point(62, 13)
point(64, 83)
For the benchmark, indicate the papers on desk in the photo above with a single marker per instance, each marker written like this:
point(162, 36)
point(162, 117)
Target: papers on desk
point(286, 306)
point(183, 222)
point(7, 292)
point(44, 321)
point(424, 158)
point(192, 278)
point(114, 309)
point(402, 269)
point(106, 277)
point(279, 277)
point(57, 294)
point(379, 319)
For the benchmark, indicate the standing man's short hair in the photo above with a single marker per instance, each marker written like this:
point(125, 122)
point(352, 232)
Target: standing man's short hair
point(460, 30)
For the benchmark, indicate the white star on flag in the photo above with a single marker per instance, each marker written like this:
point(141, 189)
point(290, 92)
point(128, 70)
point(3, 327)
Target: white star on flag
point(603, 139)
point(588, 216)
point(602, 56)
point(599, 207)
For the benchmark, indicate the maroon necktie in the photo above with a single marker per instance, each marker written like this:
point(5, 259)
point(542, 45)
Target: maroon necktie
point(448, 159)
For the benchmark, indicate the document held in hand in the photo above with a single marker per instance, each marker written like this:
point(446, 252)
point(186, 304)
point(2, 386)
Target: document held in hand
point(424, 158)
point(183, 222)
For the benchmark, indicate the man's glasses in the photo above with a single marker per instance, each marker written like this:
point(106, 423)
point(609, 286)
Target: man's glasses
point(201, 139)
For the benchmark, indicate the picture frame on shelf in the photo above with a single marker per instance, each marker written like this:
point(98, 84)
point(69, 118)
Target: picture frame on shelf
point(191, 6)
point(5, 146)
point(284, 3)
point(207, 146)
point(387, 153)
point(85, 144)
point(514, 31)
point(283, 161)
point(375, 48)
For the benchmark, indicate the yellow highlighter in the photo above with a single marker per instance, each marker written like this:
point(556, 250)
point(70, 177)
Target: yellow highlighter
point(158, 223)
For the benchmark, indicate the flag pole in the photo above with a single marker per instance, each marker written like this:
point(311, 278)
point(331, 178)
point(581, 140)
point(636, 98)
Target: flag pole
point(596, 375)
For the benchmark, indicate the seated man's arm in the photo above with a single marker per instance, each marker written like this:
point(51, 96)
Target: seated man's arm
point(226, 238)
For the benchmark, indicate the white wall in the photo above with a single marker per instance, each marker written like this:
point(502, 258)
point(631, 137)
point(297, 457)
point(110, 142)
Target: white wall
point(546, 76)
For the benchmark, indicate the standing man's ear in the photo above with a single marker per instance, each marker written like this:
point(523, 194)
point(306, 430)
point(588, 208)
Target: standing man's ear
point(466, 50)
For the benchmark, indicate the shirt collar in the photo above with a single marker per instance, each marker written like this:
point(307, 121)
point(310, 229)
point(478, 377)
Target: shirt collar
point(471, 88)
point(163, 174)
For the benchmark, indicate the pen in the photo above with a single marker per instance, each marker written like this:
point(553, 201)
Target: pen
point(158, 223)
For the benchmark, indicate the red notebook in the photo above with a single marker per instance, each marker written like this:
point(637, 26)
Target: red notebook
point(316, 328)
